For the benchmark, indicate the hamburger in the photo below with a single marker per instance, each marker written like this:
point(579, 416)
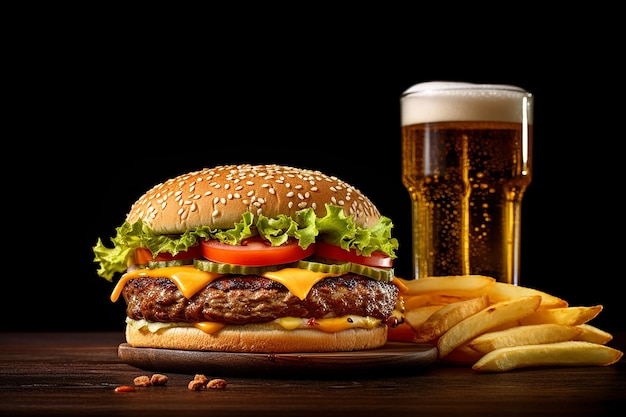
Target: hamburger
point(254, 258)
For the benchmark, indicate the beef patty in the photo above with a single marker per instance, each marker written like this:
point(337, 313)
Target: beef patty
point(254, 299)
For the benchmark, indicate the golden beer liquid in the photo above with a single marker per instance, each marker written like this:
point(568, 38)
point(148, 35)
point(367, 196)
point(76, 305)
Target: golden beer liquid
point(466, 181)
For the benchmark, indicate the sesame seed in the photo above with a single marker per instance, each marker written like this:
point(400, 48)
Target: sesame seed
point(237, 178)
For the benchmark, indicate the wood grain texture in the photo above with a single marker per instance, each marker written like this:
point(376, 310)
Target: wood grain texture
point(76, 374)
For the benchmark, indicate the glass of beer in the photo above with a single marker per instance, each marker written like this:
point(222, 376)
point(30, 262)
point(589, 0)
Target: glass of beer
point(466, 162)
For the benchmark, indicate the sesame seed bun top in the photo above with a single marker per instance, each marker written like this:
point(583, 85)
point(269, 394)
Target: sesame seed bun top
point(217, 197)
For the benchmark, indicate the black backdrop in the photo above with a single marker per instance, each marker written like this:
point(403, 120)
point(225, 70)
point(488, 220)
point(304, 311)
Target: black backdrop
point(99, 120)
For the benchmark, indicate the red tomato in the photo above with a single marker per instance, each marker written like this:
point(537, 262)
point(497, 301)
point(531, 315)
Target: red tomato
point(378, 259)
point(143, 255)
point(255, 252)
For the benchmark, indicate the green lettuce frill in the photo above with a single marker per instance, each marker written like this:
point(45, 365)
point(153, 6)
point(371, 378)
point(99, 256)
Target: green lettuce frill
point(334, 228)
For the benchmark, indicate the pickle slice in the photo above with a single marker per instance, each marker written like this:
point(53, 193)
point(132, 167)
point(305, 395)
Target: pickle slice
point(165, 264)
point(220, 268)
point(378, 274)
point(338, 269)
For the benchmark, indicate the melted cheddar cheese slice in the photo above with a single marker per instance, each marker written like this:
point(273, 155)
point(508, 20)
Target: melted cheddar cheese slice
point(190, 280)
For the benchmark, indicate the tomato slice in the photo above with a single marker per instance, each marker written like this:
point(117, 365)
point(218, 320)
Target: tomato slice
point(255, 252)
point(378, 259)
point(143, 255)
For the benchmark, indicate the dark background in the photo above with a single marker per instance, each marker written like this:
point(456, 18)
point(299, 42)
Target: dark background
point(102, 113)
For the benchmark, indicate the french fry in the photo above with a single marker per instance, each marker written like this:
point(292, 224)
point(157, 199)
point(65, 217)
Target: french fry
point(462, 356)
point(447, 316)
point(417, 316)
point(501, 291)
point(570, 353)
point(432, 299)
point(517, 326)
point(593, 334)
point(571, 316)
point(486, 319)
point(534, 334)
point(451, 285)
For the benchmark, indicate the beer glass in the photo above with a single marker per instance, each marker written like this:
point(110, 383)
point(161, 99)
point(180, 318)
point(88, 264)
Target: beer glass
point(466, 162)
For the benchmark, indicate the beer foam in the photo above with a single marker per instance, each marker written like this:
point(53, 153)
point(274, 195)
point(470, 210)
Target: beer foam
point(441, 101)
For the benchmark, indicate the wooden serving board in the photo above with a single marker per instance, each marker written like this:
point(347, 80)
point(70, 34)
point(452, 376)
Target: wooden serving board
point(394, 357)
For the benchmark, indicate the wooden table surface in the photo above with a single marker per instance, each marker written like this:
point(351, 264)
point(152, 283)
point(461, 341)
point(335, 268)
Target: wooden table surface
point(66, 374)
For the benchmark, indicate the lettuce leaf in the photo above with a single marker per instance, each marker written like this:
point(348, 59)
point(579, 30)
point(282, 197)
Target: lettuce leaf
point(335, 228)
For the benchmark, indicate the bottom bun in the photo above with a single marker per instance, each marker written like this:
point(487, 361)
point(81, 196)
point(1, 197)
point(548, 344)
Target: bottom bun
point(258, 338)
